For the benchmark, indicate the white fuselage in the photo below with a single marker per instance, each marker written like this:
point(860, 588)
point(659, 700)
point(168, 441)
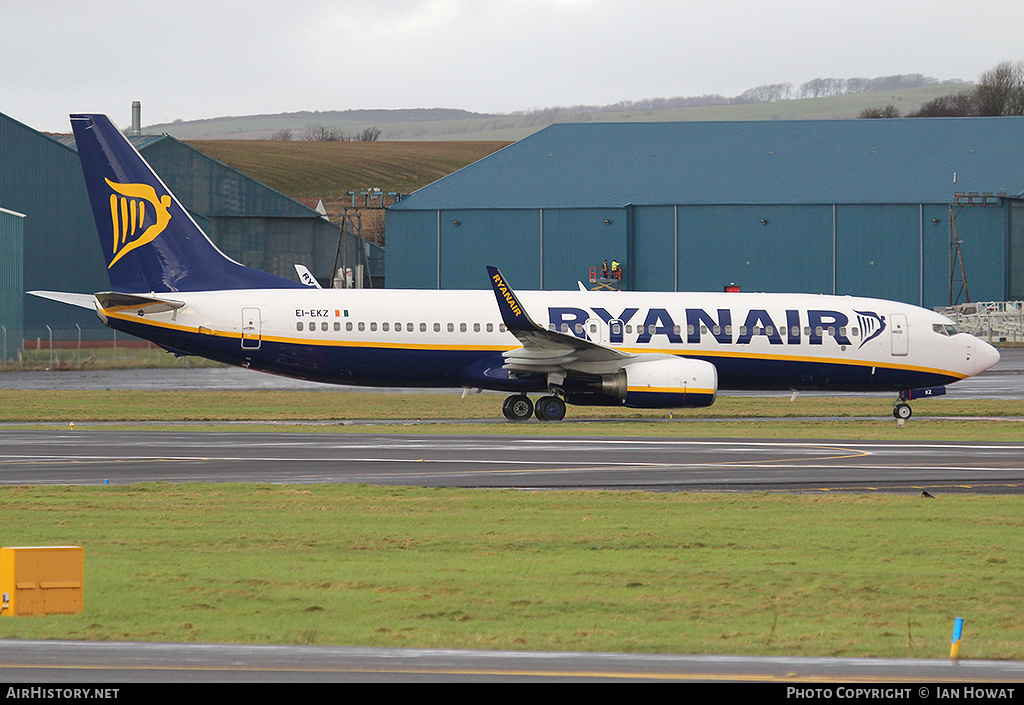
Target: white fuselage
point(785, 341)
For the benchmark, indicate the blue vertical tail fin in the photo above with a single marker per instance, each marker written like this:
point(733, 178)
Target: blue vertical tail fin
point(150, 242)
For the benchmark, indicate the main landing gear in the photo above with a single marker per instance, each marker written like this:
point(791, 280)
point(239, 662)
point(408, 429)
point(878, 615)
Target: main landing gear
point(518, 407)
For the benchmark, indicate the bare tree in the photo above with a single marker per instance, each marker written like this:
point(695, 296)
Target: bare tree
point(823, 87)
point(319, 133)
point(1001, 90)
point(282, 135)
point(960, 104)
point(768, 93)
point(889, 111)
point(370, 134)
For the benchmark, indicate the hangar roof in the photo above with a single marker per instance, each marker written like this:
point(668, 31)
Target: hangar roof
point(906, 160)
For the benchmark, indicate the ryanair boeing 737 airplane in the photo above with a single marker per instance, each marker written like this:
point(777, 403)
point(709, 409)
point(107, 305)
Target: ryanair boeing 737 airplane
point(172, 286)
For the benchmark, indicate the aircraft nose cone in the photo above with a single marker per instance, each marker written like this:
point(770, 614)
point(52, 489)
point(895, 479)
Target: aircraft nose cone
point(984, 357)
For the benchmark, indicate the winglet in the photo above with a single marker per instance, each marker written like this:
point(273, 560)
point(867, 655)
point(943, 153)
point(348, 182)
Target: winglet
point(306, 277)
point(513, 315)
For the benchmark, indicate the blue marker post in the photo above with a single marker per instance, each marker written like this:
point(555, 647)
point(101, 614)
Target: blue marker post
point(958, 629)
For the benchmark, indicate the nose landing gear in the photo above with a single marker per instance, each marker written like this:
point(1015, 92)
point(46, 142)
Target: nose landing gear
point(901, 409)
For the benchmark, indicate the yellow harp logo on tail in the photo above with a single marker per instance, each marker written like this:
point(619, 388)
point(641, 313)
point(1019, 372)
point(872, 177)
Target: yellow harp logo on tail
point(129, 208)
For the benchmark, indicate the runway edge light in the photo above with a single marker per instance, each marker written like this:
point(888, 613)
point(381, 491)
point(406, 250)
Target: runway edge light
point(958, 629)
point(41, 580)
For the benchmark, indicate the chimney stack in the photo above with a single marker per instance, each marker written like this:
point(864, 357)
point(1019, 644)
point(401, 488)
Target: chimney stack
point(136, 118)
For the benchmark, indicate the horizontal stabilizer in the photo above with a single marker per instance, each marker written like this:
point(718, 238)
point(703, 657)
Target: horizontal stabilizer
point(81, 300)
point(134, 302)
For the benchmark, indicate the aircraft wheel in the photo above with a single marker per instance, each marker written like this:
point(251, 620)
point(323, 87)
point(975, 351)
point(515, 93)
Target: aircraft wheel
point(550, 408)
point(517, 408)
point(902, 411)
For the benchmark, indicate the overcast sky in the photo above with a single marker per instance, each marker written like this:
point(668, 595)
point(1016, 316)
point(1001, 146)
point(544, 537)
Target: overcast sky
point(193, 59)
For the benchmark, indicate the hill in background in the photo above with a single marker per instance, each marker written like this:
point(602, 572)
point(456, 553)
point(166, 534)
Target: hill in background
point(442, 124)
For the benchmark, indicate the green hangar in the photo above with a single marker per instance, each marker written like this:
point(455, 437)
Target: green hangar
point(923, 211)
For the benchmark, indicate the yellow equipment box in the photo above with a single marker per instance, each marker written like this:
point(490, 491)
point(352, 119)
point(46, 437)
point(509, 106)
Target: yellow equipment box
point(40, 580)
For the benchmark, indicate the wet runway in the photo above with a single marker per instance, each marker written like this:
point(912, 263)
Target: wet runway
point(35, 662)
point(61, 456)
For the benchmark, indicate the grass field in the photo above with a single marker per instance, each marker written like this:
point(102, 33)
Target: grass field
point(589, 571)
point(842, 417)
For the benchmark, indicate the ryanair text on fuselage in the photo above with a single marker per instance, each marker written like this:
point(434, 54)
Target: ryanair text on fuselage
point(814, 325)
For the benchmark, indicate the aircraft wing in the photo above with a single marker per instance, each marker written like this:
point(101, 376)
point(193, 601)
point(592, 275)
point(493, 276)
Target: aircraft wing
point(545, 350)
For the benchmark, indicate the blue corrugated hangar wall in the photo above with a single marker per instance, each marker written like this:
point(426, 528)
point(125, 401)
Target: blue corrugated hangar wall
point(41, 177)
point(859, 207)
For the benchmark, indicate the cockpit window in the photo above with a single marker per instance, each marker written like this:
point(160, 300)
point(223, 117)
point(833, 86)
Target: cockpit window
point(946, 329)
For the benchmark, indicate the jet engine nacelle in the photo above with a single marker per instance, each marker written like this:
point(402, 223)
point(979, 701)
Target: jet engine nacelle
point(670, 383)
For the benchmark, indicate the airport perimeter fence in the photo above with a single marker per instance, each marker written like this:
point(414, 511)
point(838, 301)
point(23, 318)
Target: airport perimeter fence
point(993, 321)
point(77, 349)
